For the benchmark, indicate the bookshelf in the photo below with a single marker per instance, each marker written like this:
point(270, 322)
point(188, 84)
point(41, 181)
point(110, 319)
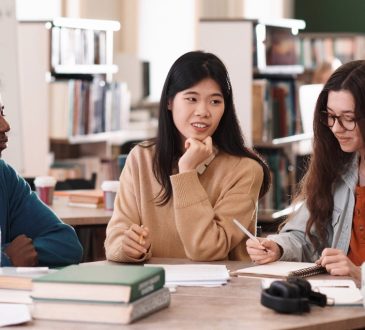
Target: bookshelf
point(89, 111)
point(264, 71)
point(82, 47)
point(319, 47)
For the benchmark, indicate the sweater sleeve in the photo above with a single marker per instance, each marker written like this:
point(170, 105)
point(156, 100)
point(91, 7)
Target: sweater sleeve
point(207, 231)
point(126, 213)
point(293, 240)
point(56, 243)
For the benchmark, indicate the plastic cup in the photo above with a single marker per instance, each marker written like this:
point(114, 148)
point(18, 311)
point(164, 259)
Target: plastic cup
point(110, 189)
point(44, 186)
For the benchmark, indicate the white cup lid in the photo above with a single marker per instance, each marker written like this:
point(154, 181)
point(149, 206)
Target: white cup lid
point(45, 181)
point(110, 186)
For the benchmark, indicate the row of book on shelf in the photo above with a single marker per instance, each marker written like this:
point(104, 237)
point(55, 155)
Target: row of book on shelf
point(318, 48)
point(81, 107)
point(275, 112)
point(282, 179)
point(73, 46)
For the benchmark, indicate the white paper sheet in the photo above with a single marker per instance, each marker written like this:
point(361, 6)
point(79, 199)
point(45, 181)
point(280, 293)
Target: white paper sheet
point(194, 274)
point(15, 296)
point(13, 314)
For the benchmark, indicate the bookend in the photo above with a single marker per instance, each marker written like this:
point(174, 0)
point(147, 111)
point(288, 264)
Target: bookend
point(292, 296)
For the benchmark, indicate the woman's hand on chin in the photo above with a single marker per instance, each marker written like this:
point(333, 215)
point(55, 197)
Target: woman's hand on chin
point(195, 153)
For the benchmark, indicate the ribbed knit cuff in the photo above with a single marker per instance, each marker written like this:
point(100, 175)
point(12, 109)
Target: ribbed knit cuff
point(187, 189)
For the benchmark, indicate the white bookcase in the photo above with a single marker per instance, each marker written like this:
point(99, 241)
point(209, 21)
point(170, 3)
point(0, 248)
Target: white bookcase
point(82, 49)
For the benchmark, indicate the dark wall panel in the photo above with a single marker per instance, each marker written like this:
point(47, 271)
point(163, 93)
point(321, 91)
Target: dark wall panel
point(331, 15)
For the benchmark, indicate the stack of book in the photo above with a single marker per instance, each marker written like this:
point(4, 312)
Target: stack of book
point(16, 283)
point(86, 198)
point(20, 278)
point(116, 294)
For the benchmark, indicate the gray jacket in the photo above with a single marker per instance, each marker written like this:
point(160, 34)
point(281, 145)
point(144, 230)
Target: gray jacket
point(297, 247)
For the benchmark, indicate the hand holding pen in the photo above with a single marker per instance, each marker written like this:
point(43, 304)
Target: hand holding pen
point(136, 241)
point(260, 250)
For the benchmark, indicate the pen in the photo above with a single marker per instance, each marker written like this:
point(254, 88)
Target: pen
point(330, 286)
point(243, 229)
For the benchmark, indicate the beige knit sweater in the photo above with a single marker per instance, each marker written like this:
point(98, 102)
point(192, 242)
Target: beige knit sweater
point(197, 222)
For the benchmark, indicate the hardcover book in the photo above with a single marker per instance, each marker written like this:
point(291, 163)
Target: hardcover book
point(103, 312)
point(111, 283)
point(20, 278)
point(86, 196)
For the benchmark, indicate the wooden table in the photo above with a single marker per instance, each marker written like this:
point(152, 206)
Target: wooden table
point(90, 225)
point(233, 306)
point(79, 216)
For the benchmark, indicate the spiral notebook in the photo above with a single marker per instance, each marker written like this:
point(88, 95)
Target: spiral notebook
point(281, 269)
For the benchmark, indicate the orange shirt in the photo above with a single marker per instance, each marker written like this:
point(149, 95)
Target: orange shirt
point(357, 243)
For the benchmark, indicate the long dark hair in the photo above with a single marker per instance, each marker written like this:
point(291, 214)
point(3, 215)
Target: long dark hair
point(187, 71)
point(328, 161)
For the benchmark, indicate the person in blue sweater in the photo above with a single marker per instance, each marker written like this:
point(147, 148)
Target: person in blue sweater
point(31, 234)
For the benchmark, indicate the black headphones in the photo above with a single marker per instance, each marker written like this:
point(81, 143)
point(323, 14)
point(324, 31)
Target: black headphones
point(291, 296)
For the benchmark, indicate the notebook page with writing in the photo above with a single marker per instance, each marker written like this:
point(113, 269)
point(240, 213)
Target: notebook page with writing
point(281, 269)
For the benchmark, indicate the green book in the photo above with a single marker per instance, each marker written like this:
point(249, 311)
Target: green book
point(108, 283)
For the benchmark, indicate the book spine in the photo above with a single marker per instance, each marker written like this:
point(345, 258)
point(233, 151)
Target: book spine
point(150, 304)
point(145, 287)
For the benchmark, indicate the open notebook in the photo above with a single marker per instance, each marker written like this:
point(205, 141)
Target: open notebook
point(281, 269)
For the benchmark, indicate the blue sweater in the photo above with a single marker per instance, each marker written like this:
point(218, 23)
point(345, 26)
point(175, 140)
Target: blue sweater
point(21, 212)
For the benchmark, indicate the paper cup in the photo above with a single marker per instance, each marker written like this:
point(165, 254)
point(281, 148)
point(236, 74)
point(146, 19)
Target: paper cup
point(45, 187)
point(110, 189)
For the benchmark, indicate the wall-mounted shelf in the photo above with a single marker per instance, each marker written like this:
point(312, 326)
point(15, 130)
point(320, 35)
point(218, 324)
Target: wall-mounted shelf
point(135, 131)
point(90, 24)
point(292, 139)
point(85, 69)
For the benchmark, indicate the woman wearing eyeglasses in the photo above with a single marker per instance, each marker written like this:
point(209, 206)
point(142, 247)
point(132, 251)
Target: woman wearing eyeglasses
point(327, 225)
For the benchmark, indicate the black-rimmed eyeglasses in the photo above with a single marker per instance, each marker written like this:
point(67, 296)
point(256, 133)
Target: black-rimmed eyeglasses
point(346, 122)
